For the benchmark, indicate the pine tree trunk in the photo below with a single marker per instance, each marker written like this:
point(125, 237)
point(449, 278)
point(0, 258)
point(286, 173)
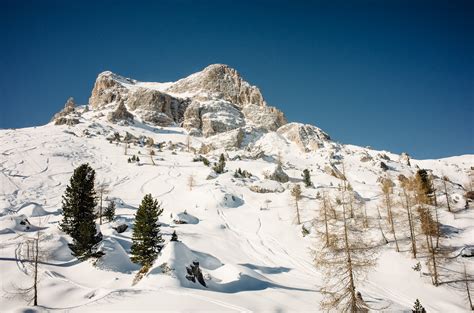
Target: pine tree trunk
point(297, 212)
point(383, 235)
point(35, 299)
point(100, 209)
point(394, 234)
point(349, 263)
point(388, 202)
point(467, 288)
point(433, 258)
point(410, 224)
point(366, 219)
point(446, 195)
point(326, 221)
point(438, 231)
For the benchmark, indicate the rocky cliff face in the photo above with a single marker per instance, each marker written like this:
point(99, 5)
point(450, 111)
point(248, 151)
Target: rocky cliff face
point(207, 103)
point(219, 81)
point(307, 137)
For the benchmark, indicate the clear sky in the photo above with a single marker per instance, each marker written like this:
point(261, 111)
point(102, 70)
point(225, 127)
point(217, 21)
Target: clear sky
point(395, 75)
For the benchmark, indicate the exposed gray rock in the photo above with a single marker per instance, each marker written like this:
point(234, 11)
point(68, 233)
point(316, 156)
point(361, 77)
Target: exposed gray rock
point(69, 108)
point(333, 171)
point(66, 121)
point(212, 117)
point(229, 140)
point(154, 106)
point(404, 158)
point(267, 117)
point(276, 173)
point(219, 81)
point(207, 103)
point(307, 137)
point(121, 228)
point(120, 114)
point(109, 87)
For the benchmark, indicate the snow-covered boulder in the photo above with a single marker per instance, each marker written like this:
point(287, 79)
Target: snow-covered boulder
point(115, 258)
point(174, 258)
point(229, 200)
point(275, 172)
point(16, 223)
point(306, 137)
point(186, 218)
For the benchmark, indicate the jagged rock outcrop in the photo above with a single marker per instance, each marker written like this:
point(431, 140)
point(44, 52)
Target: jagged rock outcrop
point(120, 114)
point(108, 88)
point(222, 101)
point(68, 115)
point(404, 158)
point(307, 137)
point(267, 117)
point(206, 103)
point(66, 121)
point(219, 81)
point(212, 117)
point(69, 107)
point(156, 107)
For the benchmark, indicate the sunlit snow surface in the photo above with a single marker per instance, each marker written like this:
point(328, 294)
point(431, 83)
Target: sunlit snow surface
point(254, 259)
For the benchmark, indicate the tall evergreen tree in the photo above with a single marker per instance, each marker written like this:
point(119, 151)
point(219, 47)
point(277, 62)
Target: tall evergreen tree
point(109, 212)
point(79, 201)
point(146, 239)
point(307, 178)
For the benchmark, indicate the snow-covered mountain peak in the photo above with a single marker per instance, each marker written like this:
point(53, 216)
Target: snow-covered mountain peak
point(246, 227)
point(212, 101)
point(219, 81)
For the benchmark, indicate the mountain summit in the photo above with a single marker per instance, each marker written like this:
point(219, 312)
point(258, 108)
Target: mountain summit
point(212, 101)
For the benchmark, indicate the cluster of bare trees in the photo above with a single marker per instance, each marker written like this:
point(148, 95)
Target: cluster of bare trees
point(410, 214)
point(346, 254)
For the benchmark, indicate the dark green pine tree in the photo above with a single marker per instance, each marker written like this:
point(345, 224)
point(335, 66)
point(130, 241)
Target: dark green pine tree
point(418, 308)
point(426, 183)
point(307, 178)
point(174, 236)
point(109, 212)
point(220, 166)
point(78, 203)
point(146, 239)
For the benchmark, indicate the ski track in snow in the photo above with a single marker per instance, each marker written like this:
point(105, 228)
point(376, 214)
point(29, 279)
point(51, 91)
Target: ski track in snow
point(36, 167)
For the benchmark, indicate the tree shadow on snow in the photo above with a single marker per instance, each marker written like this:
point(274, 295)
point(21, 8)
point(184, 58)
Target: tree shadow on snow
point(267, 269)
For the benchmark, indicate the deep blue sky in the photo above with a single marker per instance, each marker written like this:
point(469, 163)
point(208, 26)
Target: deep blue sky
point(395, 75)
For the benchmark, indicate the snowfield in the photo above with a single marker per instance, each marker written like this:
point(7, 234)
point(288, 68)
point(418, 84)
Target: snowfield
point(253, 255)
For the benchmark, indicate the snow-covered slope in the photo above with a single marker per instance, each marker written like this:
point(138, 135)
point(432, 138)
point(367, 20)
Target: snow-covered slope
point(253, 255)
